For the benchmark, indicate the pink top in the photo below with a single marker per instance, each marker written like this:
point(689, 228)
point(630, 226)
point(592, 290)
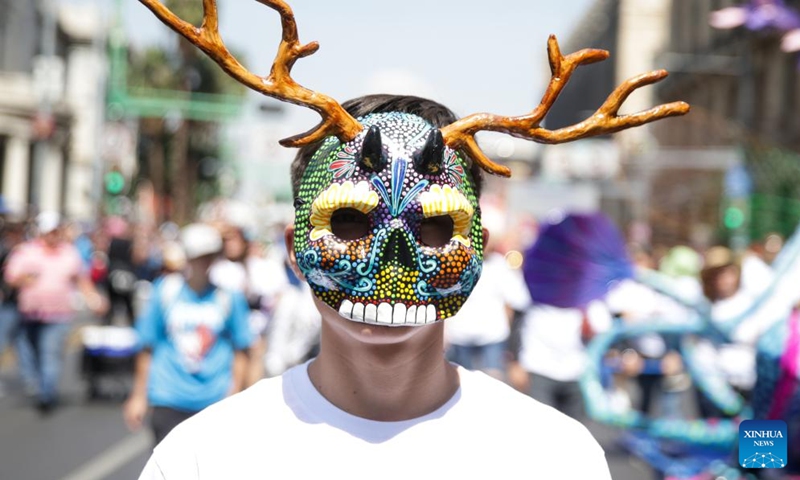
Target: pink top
point(787, 382)
point(50, 298)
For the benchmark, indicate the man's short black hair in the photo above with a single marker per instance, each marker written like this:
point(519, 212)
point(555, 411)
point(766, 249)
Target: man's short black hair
point(435, 113)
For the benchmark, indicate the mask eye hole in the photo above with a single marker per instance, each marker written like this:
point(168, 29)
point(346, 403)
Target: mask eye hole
point(350, 224)
point(436, 231)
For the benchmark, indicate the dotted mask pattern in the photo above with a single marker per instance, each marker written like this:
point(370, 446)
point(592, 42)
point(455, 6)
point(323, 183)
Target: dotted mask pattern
point(388, 276)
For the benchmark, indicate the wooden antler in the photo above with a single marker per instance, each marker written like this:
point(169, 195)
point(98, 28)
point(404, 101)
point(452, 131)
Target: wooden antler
point(279, 84)
point(460, 135)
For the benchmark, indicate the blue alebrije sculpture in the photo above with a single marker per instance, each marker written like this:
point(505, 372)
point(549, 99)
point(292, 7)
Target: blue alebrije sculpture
point(576, 260)
point(776, 395)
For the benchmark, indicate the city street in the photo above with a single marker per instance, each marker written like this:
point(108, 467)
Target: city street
point(81, 440)
point(78, 441)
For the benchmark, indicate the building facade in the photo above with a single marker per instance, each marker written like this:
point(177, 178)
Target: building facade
point(51, 107)
point(675, 176)
point(617, 166)
point(745, 97)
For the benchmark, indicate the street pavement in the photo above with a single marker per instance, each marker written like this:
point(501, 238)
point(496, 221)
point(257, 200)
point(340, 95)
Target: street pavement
point(80, 440)
point(87, 440)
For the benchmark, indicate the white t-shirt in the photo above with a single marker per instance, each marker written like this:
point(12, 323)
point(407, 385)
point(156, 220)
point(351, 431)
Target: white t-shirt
point(259, 276)
point(483, 319)
point(638, 303)
point(294, 330)
point(756, 275)
point(283, 428)
point(551, 339)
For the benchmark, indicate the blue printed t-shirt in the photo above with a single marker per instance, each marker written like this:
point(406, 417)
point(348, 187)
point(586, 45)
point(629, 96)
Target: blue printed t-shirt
point(193, 337)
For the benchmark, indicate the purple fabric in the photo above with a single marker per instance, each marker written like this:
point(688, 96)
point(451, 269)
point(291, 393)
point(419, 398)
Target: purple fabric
point(771, 14)
point(576, 261)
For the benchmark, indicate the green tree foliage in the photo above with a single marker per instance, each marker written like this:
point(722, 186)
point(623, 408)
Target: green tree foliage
point(174, 149)
point(775, 203)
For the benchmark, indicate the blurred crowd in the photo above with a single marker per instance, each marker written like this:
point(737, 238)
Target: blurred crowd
point(500, 334)
point(91, 282)
point(541, 349)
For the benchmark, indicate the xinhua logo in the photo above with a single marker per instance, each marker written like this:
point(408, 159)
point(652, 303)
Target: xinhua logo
point(762, 444)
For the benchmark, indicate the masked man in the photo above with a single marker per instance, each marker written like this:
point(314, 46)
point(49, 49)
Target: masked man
point(389, 249)
point(388, 235)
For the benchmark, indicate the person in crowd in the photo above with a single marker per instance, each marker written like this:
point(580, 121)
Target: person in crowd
point(13, 234)
point(756, 272)
point(46, 271)
point(567, 271)
point(194, 340)
point(771, 247)
point(721, 279)
point(294, 326)
point(682, 264)
point(240, 268)
point(552, 353)
point(147, 252)
point(653, 358)
point(477, 336)
point(121, 278)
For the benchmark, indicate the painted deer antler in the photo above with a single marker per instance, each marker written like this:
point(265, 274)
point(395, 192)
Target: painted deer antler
point(460, 135)
point(279, 84)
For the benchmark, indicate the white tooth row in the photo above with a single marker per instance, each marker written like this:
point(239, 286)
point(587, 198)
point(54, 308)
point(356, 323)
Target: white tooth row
point(388, 314)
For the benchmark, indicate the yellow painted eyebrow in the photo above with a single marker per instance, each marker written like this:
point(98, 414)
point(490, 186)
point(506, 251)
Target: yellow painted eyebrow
point(445, 200)
point(340, 195)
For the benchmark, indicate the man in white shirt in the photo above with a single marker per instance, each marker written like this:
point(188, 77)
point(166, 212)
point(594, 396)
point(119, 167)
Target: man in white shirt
point(552, 354)
point(380, 399)
point(388, 235)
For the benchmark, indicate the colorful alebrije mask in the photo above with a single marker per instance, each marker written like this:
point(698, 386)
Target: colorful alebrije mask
point(387, 228)
point(387, 224)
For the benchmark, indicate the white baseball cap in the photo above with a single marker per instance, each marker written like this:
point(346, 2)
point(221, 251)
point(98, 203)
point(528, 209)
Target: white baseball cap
point(46, 222)
point(199, 239)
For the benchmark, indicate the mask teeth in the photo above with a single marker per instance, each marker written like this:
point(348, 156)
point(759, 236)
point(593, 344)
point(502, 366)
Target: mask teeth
point(388, 314)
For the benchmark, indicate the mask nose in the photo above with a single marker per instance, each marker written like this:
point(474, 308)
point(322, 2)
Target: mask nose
point(399, 248)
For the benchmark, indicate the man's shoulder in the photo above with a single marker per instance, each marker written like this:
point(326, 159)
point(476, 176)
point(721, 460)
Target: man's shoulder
point(524, 425)
point(502, 403)
point(29, 247)
point(479, 387)
point(232, 417)
point(168, 281)
point(235, 424)
point(241, 409)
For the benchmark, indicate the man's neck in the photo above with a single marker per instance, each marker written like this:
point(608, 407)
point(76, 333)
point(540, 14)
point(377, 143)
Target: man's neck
point(50, 247)
point(386, 382)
